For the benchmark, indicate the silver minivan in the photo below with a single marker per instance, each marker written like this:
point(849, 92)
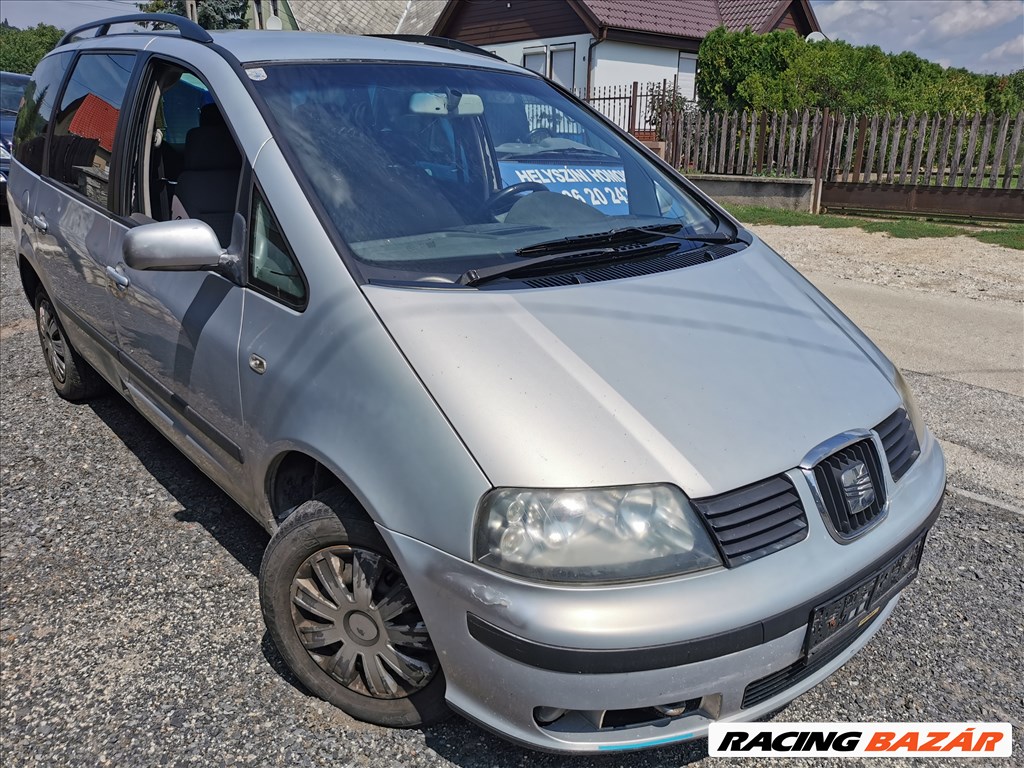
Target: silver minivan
point(542, 434)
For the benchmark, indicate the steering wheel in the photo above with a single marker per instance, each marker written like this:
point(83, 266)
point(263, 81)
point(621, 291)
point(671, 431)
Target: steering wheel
point(503, 196)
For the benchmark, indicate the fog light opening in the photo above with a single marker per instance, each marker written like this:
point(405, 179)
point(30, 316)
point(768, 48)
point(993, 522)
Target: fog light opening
point(547, 715)
point(677, 709)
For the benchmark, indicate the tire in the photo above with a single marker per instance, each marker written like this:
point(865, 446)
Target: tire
point(72, 377)
point(343, 619)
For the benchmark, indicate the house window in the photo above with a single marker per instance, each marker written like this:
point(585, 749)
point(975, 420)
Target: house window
point(536, 60)
point(688, 75)
point(557, 62)
point(563, 65)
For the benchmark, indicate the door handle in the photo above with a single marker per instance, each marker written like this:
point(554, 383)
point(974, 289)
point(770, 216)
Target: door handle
point(120, 278)
point(39, 223)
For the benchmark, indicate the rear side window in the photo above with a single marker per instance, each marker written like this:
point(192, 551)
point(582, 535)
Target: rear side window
point(35, 112)
point(85, 124)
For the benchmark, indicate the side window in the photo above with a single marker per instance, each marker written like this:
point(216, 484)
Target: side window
point(185, 161)
point(272, 267)
point(84, 127)
point(34, 116)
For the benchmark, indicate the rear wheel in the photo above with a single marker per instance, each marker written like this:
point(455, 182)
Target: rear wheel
point(344, 619)
point(72, 377)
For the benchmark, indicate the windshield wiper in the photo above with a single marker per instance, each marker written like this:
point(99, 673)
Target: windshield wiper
point(583, 257)
point(620, 235)
point(579, 151)
point(8, 111)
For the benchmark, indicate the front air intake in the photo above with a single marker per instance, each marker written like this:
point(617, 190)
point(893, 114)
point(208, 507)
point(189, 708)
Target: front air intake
point(755, 520)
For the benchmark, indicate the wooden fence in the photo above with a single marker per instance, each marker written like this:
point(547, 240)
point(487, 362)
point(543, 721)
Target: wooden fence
point(930, 150)
point(958, 164)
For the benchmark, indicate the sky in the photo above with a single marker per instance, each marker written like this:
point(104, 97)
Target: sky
point(981, 35)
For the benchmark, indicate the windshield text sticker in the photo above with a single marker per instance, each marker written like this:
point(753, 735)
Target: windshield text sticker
point(602, 188)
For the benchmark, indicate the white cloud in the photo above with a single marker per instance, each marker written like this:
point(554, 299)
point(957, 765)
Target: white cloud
point(916, 18)
point(1010, 53)
point(940, 30)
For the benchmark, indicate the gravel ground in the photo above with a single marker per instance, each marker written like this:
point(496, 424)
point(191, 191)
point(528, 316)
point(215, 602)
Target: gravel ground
point(958, 265)
point(130, 631)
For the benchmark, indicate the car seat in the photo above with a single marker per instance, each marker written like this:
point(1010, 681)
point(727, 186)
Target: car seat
point(208, 184)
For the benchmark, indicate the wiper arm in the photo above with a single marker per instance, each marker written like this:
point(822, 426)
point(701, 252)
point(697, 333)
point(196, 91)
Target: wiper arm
point(581, 151)
point(475, 277)
point(623, 234)
point(707, 237)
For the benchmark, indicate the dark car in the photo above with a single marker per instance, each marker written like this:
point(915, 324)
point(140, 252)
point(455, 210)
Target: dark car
point(12, 86)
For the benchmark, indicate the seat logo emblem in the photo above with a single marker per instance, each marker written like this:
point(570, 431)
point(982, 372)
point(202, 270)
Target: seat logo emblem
point(857, 488)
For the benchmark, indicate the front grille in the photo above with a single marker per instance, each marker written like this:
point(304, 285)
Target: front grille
point(777, 682)
point(851, 488)
point(617, 271)
point(900, 442)
point(755, 520)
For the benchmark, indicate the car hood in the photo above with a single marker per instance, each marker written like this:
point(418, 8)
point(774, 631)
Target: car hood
point(710, 377)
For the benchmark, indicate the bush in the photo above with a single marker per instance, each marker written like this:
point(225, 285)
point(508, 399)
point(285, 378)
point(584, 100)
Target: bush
point(782, 71)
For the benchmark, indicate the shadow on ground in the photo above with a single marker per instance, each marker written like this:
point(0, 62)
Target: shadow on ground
point(201, 500)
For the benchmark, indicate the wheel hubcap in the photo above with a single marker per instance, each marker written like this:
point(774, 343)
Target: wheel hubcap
point(53, 341)
point(361, 628)
point(353, 612)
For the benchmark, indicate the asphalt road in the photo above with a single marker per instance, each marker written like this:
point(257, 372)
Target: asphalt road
point(130, 631)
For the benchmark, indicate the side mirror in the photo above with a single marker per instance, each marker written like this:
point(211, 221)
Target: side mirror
point(183, 245)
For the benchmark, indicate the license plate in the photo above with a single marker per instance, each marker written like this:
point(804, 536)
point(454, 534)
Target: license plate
point(843, 615)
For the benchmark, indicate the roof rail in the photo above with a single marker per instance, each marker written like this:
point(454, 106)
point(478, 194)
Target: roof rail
point(441, 42)
point(188, 28)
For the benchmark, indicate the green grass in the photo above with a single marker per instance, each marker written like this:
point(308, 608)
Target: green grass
point(1009, 236)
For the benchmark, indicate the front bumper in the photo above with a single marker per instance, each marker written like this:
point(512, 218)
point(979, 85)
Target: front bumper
point(608, 653)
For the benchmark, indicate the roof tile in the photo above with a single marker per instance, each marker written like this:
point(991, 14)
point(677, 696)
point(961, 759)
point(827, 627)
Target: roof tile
point(95, 119)
point(367, 17)
point(738, 14)
point(681, 18)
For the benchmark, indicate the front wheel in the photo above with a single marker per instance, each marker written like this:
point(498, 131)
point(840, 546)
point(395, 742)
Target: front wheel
point(344, 619)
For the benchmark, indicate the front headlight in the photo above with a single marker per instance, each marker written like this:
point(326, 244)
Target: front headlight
point(4, 154)
point(592, 535)
point(910, 406)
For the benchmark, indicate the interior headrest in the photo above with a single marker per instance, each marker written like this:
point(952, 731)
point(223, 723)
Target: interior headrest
point(209, 148)
point(209, 114)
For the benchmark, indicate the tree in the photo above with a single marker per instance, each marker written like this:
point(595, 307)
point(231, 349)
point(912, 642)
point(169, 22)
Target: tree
point(1005, 93)
point(782, 71)
point(743, 69)
point(213, 14)
point(21, 49)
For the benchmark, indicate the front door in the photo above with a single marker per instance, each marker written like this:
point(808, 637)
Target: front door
point(179, 331)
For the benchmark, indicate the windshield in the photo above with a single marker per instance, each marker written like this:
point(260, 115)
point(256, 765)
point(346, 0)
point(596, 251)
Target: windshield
point(10, 94)
point(429, 171)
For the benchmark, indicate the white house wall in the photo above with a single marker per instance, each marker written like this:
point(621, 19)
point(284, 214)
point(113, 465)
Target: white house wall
point(618, 63)
point(614, 63)
point(513, 53)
